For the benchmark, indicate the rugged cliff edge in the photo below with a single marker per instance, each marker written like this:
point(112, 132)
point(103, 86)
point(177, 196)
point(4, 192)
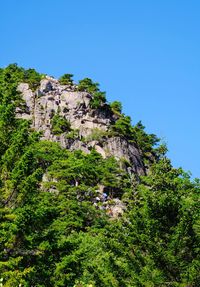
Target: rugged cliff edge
point(87, 128)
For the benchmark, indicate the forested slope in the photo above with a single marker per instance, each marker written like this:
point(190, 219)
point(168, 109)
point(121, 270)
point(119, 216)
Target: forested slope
point(73, 216)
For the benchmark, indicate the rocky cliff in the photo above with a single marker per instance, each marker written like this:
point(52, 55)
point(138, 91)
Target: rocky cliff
point(88, 128)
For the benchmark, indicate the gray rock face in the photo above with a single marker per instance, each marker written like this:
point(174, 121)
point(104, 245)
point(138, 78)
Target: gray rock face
point(122, 149)
point(29, 98)
point(53, 98)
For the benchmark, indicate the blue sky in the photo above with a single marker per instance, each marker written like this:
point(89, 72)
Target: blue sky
point(143, 53)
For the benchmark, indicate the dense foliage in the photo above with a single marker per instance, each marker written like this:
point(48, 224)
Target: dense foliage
point(54, 233)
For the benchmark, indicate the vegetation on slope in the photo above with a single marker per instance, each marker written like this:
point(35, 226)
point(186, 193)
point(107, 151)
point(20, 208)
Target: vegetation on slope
point(61, 238)
point(59, 124)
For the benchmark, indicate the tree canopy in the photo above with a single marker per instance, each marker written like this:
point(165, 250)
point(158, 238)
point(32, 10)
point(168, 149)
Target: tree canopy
point(56, 232)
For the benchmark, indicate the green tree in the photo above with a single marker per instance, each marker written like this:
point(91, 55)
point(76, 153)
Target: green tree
point(33, 78)
point(98, 97)
point(87, 85)
point(66, 79)
point(59, 124)
point(116, 107)
point(122, 127)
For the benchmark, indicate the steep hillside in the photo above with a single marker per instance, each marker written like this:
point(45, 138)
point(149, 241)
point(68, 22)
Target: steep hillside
point(87, 198)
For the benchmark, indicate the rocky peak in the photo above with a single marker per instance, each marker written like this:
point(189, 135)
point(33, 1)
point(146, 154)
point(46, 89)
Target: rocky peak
point(88, 127)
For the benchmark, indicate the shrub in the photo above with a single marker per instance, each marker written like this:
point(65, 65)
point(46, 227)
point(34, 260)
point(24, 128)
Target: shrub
point(96, 135)
point(59, 124)
point(73, 134)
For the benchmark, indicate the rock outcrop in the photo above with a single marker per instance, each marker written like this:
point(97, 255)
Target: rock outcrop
point(88, 124)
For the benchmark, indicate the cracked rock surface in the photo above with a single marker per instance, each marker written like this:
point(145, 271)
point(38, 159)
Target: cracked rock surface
point(53, 98)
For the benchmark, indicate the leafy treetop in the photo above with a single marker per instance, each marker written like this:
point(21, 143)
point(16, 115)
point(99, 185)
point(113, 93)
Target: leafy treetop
point(66, 79)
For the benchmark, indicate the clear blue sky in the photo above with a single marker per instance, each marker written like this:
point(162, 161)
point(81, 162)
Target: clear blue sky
point(143, 53)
